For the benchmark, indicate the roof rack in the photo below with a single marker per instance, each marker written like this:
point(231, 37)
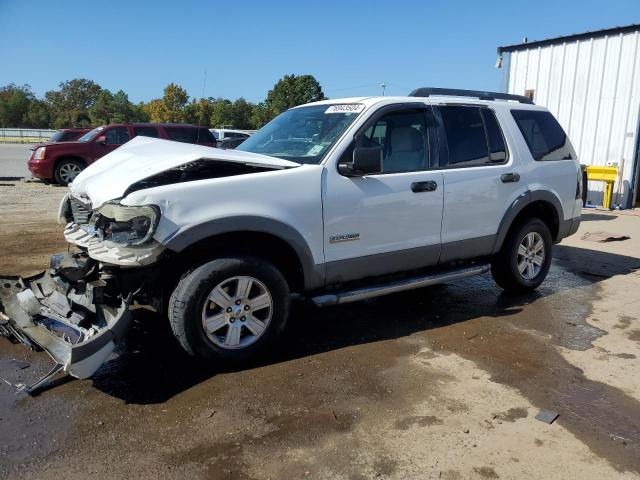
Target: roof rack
point(456, 92)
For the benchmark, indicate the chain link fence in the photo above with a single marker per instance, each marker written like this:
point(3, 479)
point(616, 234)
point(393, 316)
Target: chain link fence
point(25, 135)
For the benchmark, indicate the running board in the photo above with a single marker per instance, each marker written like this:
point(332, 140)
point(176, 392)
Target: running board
point(358, 294)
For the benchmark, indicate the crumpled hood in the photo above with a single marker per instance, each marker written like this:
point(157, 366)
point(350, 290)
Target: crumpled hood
point(108, 178)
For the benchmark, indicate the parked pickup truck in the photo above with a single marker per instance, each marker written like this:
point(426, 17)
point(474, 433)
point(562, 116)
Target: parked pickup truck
point(62, 162)
point(335, 201)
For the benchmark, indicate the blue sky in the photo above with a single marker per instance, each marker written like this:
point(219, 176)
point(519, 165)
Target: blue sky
point(246, 46)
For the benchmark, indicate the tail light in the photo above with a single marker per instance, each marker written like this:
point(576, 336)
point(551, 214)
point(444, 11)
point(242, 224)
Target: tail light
point(582, 178)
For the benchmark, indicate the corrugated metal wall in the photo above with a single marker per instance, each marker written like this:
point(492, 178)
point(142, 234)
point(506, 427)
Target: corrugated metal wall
point(592, 86)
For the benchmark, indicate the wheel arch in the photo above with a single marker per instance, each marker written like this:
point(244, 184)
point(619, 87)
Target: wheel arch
point(538, 203)
point(62, 158)
point(69, 157)
point(270, 239)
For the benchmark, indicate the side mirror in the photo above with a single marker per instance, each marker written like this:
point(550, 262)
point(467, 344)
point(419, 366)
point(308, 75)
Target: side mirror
point(366, 161)
point(101, 140)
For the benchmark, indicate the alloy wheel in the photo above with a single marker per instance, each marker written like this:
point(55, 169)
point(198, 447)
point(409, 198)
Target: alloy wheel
point(69, 171)
point(531, 255)
point(237, 312)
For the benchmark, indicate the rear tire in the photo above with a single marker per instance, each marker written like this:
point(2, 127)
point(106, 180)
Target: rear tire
point(230, 309)
point(525, 257)
point(67, 170)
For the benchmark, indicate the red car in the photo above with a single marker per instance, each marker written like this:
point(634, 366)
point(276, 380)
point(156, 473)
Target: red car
point(62, 162)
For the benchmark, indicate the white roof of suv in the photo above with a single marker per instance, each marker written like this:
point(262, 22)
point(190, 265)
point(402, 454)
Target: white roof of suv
point(433, 99)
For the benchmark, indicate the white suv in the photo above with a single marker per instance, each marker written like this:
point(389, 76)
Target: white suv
point(336, 201)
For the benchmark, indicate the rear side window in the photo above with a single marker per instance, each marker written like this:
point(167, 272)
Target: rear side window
point(146, 131)
point(180, 134)
point(544, 135)
point(189, 135)
point(472, 136)
point(497, 148)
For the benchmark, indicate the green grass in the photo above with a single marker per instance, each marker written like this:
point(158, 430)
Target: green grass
point(23, 139)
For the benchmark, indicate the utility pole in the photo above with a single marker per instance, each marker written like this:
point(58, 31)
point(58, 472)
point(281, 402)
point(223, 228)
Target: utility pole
point(384, 86)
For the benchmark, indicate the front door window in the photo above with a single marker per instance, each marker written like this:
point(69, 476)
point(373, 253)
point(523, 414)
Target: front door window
point(117, 136)
point(403, 138)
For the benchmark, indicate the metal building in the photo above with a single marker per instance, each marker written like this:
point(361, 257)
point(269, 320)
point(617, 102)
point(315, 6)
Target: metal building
point(591, 82)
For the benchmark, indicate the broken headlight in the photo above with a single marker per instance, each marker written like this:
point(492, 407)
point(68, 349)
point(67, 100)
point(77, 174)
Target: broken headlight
point(127, 225)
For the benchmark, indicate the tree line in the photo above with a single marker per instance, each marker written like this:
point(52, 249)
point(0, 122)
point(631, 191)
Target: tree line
point(84, 103)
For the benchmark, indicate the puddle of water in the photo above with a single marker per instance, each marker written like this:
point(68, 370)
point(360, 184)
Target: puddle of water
point(634, 335)
point(512, 414)
point(30, 423)
point(422, 421)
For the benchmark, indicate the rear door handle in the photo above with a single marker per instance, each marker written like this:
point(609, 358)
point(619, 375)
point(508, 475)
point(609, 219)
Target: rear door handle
point(510, 177)
point(428, 186)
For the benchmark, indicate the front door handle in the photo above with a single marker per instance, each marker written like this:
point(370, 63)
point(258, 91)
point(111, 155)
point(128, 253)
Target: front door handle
point(428, 186)
point(510, 177)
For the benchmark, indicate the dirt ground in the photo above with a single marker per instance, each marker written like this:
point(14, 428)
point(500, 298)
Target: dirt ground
point(29, 232)
point(442, 382)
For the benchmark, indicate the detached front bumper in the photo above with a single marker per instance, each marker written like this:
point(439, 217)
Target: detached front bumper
point(68, 311)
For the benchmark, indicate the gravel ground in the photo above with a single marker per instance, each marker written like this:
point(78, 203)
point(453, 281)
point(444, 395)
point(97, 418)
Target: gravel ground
point(442, 382)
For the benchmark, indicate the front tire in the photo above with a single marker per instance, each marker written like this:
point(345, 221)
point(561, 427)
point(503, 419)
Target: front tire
point(525, 257)
point(67, 170)
point(230, 309)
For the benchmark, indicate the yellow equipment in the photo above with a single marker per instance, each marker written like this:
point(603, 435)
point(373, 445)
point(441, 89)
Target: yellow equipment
point(607, 175)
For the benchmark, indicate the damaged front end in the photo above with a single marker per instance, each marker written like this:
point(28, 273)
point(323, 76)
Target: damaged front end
point(119, 213)
point(74, 311)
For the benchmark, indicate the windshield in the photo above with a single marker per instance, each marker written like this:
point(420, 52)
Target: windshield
point(303, 134)
point(89, 135)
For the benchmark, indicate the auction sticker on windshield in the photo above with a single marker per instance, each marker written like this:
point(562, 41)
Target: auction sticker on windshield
point(346, 108)
point(315, 150)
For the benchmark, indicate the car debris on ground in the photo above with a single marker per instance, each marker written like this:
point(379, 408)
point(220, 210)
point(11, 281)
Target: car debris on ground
point(547, 416)
point(66, 312)
point(604, 237)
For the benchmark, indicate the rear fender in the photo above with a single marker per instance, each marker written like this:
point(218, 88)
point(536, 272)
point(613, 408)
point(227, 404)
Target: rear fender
point(519, 204)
